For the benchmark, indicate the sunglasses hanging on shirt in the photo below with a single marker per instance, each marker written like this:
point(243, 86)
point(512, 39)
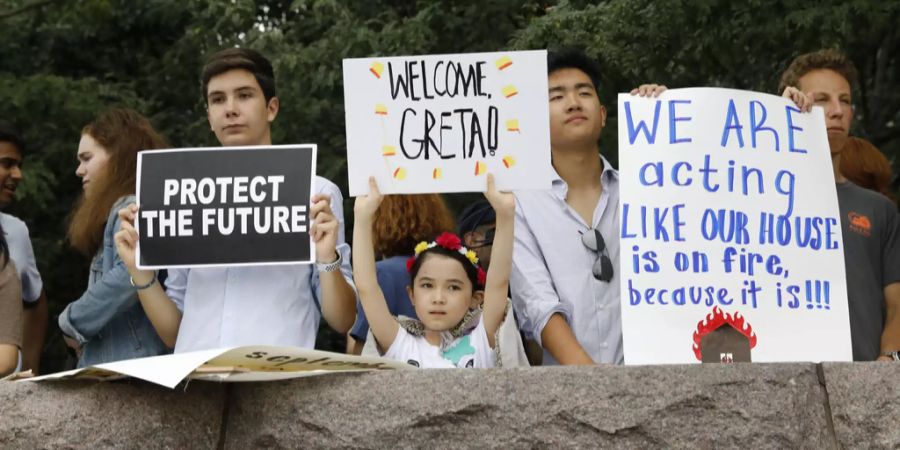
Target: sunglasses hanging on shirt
point(602, 269)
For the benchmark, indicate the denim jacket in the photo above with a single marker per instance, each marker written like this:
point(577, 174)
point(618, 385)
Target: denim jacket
point(108, 320)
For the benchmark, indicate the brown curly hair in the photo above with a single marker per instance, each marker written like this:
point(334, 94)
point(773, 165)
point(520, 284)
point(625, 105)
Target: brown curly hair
point(865, 165)
point(823, 59)
point(402, 221)
point(122, 133)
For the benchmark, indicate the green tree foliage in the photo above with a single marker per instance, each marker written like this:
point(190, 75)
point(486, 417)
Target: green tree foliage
point(742, 45)
point(61, 62)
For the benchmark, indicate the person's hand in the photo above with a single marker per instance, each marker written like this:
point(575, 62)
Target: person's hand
point(324, 230)
point(504, 203)
point(649, 90)
point(803, 101)
point(126, 238)
point(366, 205)
point(74, 345)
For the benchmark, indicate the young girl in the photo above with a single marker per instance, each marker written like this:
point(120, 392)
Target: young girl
point(400, 222)
point(107, 323)
point(447, 288)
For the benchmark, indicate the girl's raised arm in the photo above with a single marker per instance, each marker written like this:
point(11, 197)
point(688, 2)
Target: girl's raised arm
point(497, 285)
point(384, 326)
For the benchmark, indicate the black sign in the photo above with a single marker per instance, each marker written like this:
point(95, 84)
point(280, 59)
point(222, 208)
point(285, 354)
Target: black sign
point(225, 206)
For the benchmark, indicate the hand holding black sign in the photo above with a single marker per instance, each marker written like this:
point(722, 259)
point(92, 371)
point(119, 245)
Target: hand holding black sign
point(127, 237)
point(324, 230)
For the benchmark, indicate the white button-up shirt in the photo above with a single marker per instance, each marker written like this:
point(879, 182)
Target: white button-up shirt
point(551, 270)
point(254, 305)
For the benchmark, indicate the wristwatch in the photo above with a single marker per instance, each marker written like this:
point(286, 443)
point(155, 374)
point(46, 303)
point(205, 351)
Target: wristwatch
point(333, 266)
point(895, 355)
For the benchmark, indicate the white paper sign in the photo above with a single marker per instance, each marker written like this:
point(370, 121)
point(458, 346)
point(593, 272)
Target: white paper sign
point(439, 123)
point(730, 224)
point(249, 363)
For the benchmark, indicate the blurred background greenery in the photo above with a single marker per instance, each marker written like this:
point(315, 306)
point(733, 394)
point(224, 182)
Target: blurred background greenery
point(61, 62)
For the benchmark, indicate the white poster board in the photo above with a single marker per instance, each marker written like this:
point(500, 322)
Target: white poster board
point(439, 123)
point(729, 218)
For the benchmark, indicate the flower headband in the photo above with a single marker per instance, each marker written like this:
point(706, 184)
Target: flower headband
point(450, 242)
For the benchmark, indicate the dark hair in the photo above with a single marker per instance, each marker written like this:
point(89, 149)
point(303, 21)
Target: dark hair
point(9, 133)
point(823, 59)
point(471, 270)
point(572, 58)
point(240, 58)
point(474, 216)
point(122, 133)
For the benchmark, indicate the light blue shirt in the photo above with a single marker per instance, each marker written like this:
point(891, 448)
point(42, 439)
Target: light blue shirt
point(551, 270)
point(108, 319)
point(254, 305)
point(21, 252)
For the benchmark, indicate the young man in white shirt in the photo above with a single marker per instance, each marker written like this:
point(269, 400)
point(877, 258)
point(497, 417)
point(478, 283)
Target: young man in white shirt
point(205, 308)
point(564, 282)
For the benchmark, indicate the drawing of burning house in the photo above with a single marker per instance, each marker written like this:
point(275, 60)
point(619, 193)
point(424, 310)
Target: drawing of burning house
point(723, 338)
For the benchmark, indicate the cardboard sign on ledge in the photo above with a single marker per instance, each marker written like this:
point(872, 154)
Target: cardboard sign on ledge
point(249, 363)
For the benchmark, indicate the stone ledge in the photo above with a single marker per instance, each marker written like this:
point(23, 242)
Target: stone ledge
point(865, 403)
point(740, 405)
point(746, 405)
point(120, 414)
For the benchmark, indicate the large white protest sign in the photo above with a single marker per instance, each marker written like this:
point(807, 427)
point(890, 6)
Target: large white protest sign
point(225, 206)
point(249, 363)
point(730, 232)
point(439, 123)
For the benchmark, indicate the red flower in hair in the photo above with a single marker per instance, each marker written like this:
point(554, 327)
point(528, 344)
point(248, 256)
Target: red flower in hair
point(482, 277)
point(449, 241)
point(410, 262)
